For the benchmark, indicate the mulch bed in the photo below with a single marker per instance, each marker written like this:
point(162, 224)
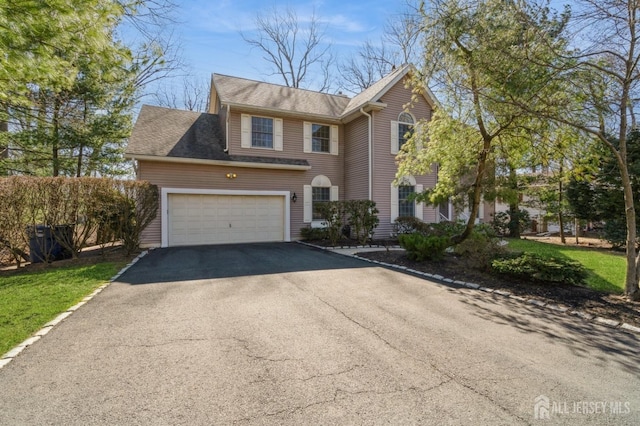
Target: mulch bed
point(584, 299)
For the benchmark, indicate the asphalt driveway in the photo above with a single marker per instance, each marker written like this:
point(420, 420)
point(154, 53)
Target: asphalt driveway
point(286, 334)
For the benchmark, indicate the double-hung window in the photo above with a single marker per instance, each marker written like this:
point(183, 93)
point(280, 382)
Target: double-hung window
point(405, 128)
point(320, 196)
point(261, 132)
point(406, 206)
point(320, 138)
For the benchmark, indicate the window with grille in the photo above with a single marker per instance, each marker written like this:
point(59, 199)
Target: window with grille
point(261, 132)
point(406, 207)
point(405, 128)
point(320, 138)
point(320, 196)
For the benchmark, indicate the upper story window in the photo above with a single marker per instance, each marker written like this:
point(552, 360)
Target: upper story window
point(405, 128)
point(320, 138)
point(261, 132)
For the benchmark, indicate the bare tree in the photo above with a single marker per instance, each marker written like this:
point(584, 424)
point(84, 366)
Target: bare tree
point(398, 45)
point(191, 95)
point(297, 54)
point(365, 67)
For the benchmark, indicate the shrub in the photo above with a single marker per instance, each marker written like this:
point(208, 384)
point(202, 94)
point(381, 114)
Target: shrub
point(504, 224)
point(614, 231)
point(363, 218)
point(309, 234)
point(480, 248)
point(444, 229)
point(422, 247)
point(333, 214)
point(107, 208)
point(408, 225)
point(540, 268)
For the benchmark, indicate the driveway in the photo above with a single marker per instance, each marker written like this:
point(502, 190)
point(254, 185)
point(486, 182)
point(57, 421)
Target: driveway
point(286, 334)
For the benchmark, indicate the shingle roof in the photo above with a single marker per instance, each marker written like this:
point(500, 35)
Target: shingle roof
point(376, 90)
point(251, 93)
point(165, 132)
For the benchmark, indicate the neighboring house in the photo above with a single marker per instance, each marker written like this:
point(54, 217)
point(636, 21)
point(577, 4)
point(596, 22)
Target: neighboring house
point(253, 168)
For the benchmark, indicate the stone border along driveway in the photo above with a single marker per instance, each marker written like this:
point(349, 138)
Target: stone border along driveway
point(351, 251)
point(9, 356)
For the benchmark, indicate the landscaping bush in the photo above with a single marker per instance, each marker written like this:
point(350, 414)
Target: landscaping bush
point(408, 225)
point(310, 234)
point(504, 224)
point(421, 247)
point(444, 229)
point(614, 231)
point(480, 248)
point(333, 217)
point(363, 218)
point(540, 268)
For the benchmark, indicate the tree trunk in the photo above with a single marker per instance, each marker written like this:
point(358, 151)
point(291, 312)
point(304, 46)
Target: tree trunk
point(55, 139)
point(477, 194)
point(563, 239)
point(4, 149)
point(632, 274)
point(514, 206)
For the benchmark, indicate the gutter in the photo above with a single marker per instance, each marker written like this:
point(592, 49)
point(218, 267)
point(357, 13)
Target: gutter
point(370, 130)
point(226, 163)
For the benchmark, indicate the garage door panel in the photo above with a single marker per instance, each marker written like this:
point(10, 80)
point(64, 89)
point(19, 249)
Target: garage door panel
point(216, 219)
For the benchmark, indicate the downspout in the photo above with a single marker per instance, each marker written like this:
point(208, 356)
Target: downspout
point(370, 153)
point(226, 130)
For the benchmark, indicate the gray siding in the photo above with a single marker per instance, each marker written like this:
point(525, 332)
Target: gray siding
point(179, 175)
point(356, 159)
point(384, 163)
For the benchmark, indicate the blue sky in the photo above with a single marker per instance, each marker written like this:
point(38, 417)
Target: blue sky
point(209, 33)
point(210, 30)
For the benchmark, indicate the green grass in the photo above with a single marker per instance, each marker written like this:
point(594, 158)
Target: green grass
point(30, 299)
point(606, 269)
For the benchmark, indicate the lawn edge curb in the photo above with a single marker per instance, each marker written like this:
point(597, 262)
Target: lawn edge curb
point(6, 358)
point(559, 309)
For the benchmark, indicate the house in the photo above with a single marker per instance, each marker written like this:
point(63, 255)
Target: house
point(254, 166)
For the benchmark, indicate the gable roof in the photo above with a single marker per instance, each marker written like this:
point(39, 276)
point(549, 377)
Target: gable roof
point(268, 97)
point(165, 134)
point(272, 97)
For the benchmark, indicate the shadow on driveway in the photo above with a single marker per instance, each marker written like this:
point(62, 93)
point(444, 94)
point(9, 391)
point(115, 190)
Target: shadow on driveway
point(233, 260)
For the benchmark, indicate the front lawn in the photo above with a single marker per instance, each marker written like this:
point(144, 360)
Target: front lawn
point(30, 299)
point(606, 269)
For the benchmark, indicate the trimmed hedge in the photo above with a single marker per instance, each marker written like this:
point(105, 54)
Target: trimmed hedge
point(99, 210)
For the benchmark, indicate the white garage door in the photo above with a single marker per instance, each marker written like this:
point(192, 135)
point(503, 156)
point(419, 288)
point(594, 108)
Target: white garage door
point(218, 219)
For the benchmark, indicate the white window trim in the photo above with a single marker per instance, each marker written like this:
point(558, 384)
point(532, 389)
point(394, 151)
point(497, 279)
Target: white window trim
point(246, 131)
point(307, 147)
point(395, 128)
point(164, 206)
point(395, 199)
point(334, 195)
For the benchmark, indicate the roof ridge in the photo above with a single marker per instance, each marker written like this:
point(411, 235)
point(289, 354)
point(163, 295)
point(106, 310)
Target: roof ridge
point(282, 85)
